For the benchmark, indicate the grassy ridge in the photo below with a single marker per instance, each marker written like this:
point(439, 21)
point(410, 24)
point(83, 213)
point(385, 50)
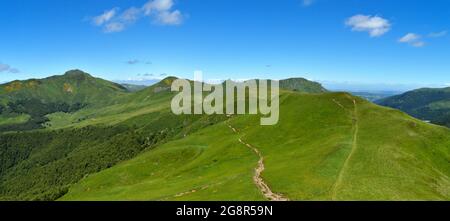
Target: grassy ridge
point(130, 146)
point(391, 157)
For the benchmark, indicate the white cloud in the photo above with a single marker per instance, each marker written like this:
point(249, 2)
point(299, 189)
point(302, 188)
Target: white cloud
point(308, 2)
point(131, 15)
point(438, 34)
point(412, 39)
point(409, 38)
point(8, 68)
point(160, 11)
point(105, 17)
point(376, 26)
point(170, 18)
point(158, 6)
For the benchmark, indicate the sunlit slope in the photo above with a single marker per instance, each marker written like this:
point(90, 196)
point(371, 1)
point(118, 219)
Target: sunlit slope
point(42, 164)
point(327, 151)
point(74, 86)
point(153, 99)
point(325, 147)
point(210, 165)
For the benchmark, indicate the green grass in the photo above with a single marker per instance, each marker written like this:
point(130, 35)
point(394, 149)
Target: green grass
point(16, 119)
point(129, 146)
point(209, 165)
point(394, 157)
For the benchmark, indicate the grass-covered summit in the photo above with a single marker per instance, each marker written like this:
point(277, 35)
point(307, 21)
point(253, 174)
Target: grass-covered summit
point(74, 86)
point(25, 104)
point(302, 85)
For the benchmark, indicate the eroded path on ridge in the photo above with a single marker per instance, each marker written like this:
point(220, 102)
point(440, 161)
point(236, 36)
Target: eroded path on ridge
point(341, 174)
point(257, 179)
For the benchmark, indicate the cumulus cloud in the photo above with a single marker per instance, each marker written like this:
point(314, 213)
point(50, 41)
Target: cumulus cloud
point(412, 39)
point(157, 6)
point(105, 17)
point(376, 26)
point(131, 15)
point(169, 18)
point(438, 34)
point(160, 11)
point(8, 68)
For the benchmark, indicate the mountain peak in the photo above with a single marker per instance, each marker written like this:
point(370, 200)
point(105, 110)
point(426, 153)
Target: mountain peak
point(302, 85)
point(77, 73)
point(168, 80)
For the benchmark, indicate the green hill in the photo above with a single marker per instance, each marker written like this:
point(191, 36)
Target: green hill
point(427, 104)
point(35, 98)
point(329, 146)
point(42, 164)
point(302, 85)
point(74, 86)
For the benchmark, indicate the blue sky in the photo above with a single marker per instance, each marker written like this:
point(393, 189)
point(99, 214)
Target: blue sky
point(384, 42)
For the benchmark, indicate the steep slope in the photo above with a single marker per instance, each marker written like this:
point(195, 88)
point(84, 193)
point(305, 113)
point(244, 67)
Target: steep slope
point(330, 146)
point(427, 104)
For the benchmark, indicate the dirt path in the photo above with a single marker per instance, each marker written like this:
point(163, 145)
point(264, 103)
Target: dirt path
point(257, 179)
point(354, 147)
point(339, 104)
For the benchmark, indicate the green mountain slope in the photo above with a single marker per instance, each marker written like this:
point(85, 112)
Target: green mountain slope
point(73, 87)
point(326, 146)
point(301, 85)
point(329, 146)
point(67, 93)
point(427, 104)
point(42, 164)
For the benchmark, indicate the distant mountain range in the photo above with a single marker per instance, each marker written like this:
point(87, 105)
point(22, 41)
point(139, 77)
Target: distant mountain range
point(133, 87)
point(76, 137)
point(374, 95)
